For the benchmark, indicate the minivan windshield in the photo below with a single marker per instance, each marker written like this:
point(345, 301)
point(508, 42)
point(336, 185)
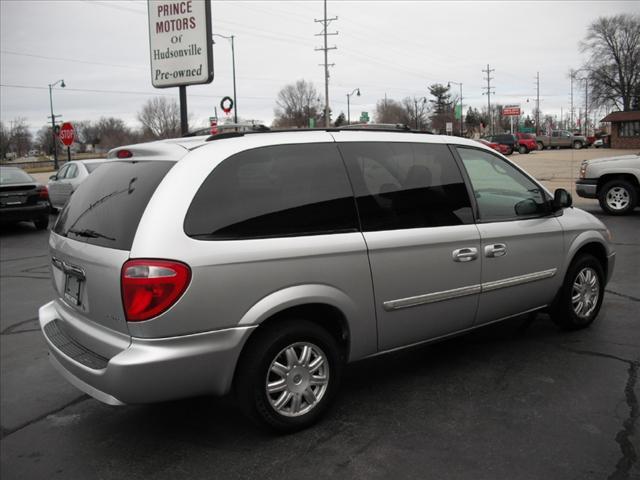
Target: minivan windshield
point(106, 208)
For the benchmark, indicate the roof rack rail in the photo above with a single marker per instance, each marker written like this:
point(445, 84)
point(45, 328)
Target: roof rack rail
point(380, 127)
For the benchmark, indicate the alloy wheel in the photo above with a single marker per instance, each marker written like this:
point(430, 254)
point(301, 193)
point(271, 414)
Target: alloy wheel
point(585, 292)
point(297, 379)
point(617, 198)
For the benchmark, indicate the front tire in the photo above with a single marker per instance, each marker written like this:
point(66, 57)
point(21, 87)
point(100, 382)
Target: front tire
point(288, 375)
point(618, 197)
point(577, 145)
point(540, 145)
point(523, 149)
point(580, 298)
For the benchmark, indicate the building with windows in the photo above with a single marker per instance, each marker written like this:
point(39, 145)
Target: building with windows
point(625, 129)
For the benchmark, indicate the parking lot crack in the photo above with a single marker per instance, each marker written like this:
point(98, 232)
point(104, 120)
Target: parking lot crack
point(628, 297)
point(5, 432)
point(22, 258)
point(15, 328)
point(628, 430)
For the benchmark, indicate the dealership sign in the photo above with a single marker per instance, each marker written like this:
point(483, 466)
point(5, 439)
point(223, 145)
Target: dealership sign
point(511, 110)
point(180, 42)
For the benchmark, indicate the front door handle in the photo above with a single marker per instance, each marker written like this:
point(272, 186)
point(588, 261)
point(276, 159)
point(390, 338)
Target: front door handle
point(465, 254)
point(495, 250)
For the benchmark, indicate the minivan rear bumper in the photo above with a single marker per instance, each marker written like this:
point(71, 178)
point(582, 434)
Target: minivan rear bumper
point(148, 370)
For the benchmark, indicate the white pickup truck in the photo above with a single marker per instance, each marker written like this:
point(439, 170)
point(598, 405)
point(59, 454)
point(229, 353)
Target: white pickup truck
point(614, 181)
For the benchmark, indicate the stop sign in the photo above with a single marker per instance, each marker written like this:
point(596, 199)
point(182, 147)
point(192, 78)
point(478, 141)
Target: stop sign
point(67, 134)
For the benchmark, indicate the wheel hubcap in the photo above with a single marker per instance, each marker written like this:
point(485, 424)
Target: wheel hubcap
point(585, 292)
point(618, 198)
point(297, 379)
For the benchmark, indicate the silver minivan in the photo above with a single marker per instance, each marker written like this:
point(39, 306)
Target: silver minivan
point(262, 263)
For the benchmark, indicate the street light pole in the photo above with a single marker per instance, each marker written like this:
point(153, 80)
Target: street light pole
point(356, 91)
point(233, 66)
point(53, 121)
point(461, 124)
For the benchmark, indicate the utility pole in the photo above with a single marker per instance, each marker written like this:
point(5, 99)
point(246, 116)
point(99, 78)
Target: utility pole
point(572, 74)
point(325, 33)
point(488, 94)
point(537, 103)
point(586, 106)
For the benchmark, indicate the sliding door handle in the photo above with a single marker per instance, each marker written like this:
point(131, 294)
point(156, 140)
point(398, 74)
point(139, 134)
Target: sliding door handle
point(465, 254)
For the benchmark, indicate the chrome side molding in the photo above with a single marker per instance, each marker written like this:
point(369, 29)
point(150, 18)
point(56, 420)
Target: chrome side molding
point(427, 298)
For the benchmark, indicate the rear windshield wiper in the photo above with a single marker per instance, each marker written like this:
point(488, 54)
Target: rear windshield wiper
point(89, 234)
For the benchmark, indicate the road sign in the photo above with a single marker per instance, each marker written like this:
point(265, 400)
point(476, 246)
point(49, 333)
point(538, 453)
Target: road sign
point(511, 110)
point(213, 123)
point(180, 42)
point(364, 117)
point(67, 134)
point(449, 128)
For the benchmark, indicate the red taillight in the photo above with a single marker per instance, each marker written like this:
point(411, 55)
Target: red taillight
point(43, 192)
point(150, 287)
point(124, 154)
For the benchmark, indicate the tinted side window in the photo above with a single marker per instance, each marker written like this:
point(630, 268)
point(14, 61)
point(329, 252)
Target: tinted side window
point(406, 185)
point(502, 192)
point(284, 190)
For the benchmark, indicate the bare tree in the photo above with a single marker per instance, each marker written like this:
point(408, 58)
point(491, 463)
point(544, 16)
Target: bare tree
point(160, 118)
point(416, 107)
point(296, 104)
point(4, 141)
point(113, 132)
point(613, 66)
point(392, 111)
point(20, 138)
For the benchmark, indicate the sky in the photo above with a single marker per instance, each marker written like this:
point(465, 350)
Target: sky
point(392, 48)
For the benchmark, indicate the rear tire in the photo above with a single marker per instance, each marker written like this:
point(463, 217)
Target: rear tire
point(618, 197)
point(523, 149)
point(540, 145)
point(577, 145)
point(42, 223)
point(580, 297)
point(300, 363)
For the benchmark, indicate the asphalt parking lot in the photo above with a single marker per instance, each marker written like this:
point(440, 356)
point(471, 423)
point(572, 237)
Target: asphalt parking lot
point(518, 400)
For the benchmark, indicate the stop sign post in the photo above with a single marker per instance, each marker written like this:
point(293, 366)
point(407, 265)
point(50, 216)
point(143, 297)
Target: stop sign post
point(67, 136)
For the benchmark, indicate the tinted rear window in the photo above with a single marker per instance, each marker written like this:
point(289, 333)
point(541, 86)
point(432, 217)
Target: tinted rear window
point(106, 208)
point(9, 176)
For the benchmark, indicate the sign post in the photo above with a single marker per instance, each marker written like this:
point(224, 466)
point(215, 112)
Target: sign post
point(67, 136)
point(180, 46)
point(511, 111)
point(449, 128)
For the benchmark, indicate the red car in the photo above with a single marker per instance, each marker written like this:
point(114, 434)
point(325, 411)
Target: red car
point(503, 149)
point(526, 142)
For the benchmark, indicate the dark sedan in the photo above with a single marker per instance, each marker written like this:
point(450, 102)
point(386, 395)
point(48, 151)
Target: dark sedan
point(22, 198)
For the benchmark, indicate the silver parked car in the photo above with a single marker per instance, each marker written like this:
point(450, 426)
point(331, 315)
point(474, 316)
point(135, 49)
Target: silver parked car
point(63, 183)
point(614, 181)
point(262, 263)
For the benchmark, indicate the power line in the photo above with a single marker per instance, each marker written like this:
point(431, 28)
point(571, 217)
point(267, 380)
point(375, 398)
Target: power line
point(33, 55)
point(119, 92)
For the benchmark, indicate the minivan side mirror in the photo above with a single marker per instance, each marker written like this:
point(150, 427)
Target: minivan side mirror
point(561, 199)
